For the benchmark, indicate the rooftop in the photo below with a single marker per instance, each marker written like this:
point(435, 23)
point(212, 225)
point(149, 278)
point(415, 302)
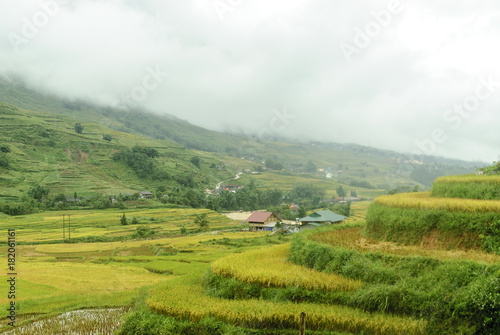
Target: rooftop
point(259, 216)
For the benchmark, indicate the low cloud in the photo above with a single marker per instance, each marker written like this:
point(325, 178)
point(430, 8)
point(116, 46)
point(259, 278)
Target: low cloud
point(232, 64)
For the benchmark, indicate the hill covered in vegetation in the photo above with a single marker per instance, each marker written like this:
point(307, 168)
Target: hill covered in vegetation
point(351, 165)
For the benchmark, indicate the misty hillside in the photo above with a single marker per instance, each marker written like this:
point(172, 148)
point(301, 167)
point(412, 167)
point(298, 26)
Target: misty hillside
point(46, 149)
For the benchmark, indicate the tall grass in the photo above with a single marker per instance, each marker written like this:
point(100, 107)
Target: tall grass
point(452, 229)
point(468, 187)
point(424, 201)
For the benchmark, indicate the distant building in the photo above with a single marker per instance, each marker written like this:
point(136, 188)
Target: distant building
point(146, 195)
point(230, 188)
point(70, 198)
point(322, 218)
point(263, 220)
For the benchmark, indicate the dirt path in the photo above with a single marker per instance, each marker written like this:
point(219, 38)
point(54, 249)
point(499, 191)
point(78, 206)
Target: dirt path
point(235, 177)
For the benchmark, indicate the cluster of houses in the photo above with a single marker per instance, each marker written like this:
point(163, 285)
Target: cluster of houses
point(268, 221)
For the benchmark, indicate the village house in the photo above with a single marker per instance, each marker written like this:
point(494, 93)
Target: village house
point(263, 221)
point(145, 195)
point(320, 218)
point(70, 198)
point(230, 188)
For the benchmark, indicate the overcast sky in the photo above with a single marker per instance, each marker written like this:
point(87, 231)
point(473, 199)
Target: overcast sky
point(416, 77)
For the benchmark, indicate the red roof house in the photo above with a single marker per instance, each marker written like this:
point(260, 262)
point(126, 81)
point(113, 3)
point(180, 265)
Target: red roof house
point(260, 219)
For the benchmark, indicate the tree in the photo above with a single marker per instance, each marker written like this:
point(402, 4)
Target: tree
point(196, 161)
point(38, 192)
point(183, 230)
point(60, 198)
point(201, 220)
point(342, 209)
point(107, 137)
point(301, 212)
point(5, 148)
point(134, 220)
point(273, 165)
point(354, 194)
point(494, 169)
point(279, 225)
point(341, 192)
point(4, 161)
point(78, 128)
point(123, 220)
point(310, 167)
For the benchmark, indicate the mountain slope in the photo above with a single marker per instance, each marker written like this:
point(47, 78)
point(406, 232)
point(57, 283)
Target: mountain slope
point(46, 150)
point(357, 167)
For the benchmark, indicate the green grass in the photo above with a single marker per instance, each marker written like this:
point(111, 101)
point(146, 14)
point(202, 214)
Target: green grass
point(485, 187)
point(55, 278)
point(51, 154)
point(44, 144)
point(47, 227)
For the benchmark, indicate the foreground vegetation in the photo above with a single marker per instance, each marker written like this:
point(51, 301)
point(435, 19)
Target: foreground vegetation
point(454, 296)
point(58, 278)
point(186, 299)
point(484, 187)
point(107, 226)
point(415, 218)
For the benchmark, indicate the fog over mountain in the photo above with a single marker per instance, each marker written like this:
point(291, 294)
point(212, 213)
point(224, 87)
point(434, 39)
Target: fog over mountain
point(415, 77)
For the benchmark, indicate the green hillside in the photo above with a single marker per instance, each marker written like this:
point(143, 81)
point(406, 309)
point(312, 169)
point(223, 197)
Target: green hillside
point(45, 149)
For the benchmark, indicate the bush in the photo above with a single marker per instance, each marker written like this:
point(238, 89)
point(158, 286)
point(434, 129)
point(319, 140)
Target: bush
point(123, 220)
point(143, 232)
point(5, 148)
point(4, 161)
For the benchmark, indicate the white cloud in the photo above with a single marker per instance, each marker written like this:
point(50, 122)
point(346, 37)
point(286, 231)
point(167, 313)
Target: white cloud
point(232, 73)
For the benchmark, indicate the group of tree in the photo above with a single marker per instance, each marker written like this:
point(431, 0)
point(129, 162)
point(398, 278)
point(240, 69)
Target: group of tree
point(201, 221)
point(310, 167)
point(247, 199)
point(273, 165)
point(305, 194)
point(491, 170)
point(361, 183)
point(195, 160)
point(286, 213)
point(124, 220)
point(107, 137)
point(341, 208)
point(78, 128)
point(4, 150)
point(342, 192)
point(142, 161)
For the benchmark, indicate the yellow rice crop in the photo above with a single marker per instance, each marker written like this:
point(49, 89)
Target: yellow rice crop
point(184, 298)
point(354, 239)
point(269, 267)
point(423, 200)
point(469, 178)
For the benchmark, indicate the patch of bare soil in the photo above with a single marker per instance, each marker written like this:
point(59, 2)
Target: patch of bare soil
point(240, 216)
